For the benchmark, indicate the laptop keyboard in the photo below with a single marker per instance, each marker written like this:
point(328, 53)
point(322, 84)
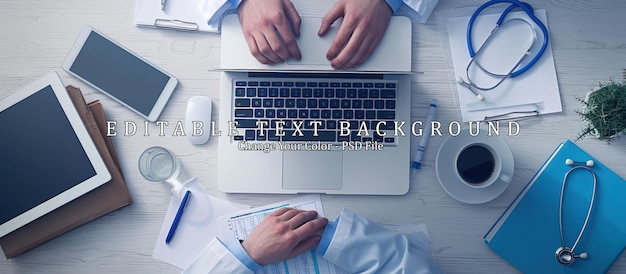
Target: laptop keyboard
point(298, 106)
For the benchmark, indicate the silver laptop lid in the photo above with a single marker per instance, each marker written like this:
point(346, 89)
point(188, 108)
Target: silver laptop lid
point(393, 54)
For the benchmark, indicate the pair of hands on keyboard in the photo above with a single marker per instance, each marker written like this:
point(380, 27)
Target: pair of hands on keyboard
point(271, 27)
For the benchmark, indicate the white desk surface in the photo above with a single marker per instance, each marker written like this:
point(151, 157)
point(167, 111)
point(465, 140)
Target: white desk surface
point(588, 43)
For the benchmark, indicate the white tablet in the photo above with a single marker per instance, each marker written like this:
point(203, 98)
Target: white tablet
point(123, 75)
point(48, 158)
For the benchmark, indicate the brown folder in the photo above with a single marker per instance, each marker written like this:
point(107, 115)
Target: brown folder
point(96, 203)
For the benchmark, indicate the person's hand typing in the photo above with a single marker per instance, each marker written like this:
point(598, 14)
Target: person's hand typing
point(284, 234)
point(270, 28)
point(364, 25)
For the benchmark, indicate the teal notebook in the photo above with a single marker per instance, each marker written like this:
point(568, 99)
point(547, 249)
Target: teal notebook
point(527, 233)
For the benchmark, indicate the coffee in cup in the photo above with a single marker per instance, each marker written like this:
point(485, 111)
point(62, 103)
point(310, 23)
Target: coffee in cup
point(476, 165)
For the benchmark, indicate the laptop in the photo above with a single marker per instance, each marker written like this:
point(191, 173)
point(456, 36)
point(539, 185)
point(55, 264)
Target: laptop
point(282, 124)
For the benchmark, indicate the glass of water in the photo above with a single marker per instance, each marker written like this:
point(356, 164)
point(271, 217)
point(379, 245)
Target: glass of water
point(158, 164)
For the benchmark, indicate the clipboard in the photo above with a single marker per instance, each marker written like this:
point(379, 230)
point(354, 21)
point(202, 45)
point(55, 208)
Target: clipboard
point(531, 94)
point(182, 15)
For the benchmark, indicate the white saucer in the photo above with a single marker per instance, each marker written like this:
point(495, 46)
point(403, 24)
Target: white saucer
point(445, 166)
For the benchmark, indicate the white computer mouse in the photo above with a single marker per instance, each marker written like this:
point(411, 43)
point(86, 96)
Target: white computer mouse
point(198, 120)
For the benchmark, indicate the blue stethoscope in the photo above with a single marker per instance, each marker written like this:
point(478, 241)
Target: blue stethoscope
point(515, 71)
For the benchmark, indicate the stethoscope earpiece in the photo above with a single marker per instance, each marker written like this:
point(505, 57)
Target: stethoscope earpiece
point(565, 255)
point(570, 162)
point(462, 82)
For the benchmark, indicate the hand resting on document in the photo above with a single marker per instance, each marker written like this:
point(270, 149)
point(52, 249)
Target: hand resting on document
point(284, 234)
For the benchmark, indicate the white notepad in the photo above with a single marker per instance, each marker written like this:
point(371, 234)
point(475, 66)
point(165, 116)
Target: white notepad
point(197, 227)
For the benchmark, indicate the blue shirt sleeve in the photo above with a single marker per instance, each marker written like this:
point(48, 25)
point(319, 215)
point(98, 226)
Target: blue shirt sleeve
point(327, 236)
point(393, 4)
point(236, 249)
point(236, 3)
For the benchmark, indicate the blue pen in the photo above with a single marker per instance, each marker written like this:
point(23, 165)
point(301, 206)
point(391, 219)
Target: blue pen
point(419, 154)
point(179, 214)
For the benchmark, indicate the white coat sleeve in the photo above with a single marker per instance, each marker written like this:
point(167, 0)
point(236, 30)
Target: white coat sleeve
point(216, 258)
point(362, 246)
point(419, 10)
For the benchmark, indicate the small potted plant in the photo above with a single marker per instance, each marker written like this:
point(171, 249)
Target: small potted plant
point(604, 110)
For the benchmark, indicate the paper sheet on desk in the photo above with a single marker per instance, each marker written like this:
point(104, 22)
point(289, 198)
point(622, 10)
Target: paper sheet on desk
point(236, 226)
point(535, 90)
point(197, 227)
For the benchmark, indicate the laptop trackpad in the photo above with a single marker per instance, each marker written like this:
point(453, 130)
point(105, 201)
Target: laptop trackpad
point(312, 170)
point(313, 47)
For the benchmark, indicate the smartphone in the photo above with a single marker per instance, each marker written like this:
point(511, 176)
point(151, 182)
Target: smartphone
point(119, 73)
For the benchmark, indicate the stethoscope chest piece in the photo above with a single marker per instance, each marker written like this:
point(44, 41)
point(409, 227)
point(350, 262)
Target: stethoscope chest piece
point(566, 256)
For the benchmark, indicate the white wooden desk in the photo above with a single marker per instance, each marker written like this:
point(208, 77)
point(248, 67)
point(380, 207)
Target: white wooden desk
point(588, 43)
